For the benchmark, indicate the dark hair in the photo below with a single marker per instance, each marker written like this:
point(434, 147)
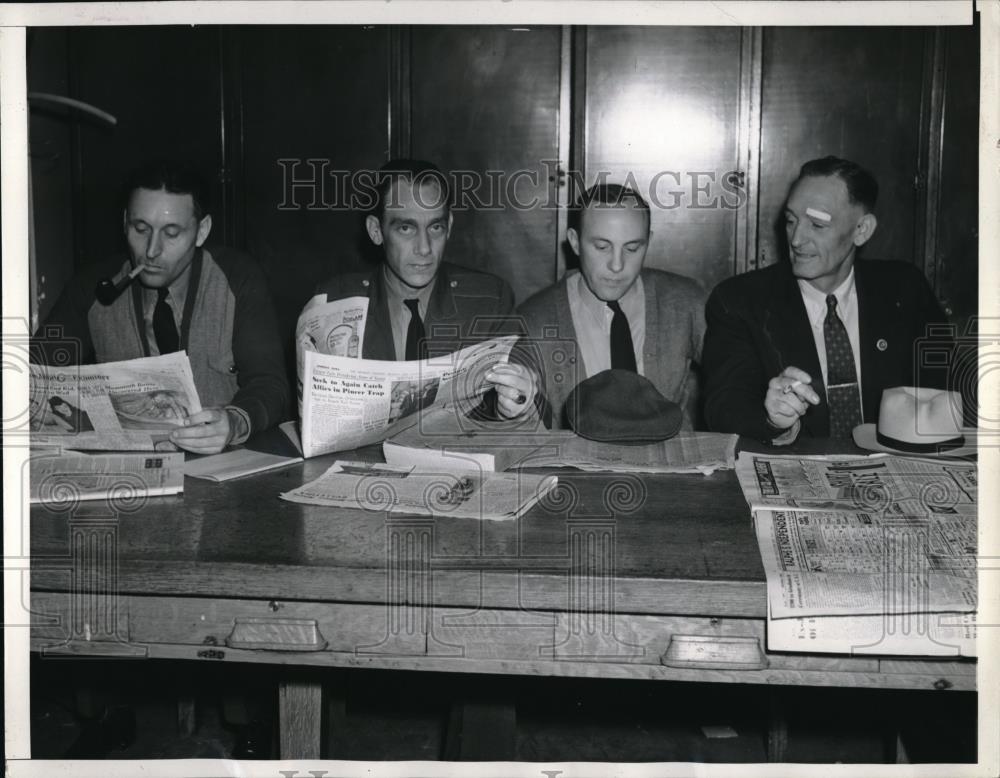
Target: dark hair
point(416, 171)
point(177, 177)
point(862, 188)
point(610, 195)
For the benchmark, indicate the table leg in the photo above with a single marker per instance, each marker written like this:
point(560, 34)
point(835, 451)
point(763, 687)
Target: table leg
point(300, 707)
point(777, 726)
point(482, 727)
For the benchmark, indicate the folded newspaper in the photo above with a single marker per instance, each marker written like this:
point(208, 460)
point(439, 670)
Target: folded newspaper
point(122, 478)
point(346, 402)
point(469, 494)
point(124, 406)
point(888, 484)
point(443, 440)
point(866, 555)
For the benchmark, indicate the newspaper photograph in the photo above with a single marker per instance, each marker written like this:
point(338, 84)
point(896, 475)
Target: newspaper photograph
point(840, 563)
point(900, 634)
point(469, 494)
point(71, 477)
point(883, 484)
point(126, 406)
point(346, 403)
point(336, 328)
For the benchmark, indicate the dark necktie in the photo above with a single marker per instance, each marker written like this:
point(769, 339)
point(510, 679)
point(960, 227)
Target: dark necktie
point(841, 375)
point(622, 350)
point(164, 326)
point(415, 349)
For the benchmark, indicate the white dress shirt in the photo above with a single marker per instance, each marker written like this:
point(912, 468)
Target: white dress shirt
point(592, 322)
point(847, 309)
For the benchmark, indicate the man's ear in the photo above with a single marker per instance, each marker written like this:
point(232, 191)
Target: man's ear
point(204, 228)
point(374, 229)
point(574, 240)
point(865, 229)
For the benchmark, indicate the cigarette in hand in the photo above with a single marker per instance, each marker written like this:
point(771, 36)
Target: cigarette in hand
point(790, 387)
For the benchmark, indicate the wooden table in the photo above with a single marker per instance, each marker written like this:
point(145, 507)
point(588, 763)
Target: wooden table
point(607, 578)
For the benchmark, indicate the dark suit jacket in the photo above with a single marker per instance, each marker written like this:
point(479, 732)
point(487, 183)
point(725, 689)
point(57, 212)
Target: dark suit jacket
point(464, 305)
point(757, 326)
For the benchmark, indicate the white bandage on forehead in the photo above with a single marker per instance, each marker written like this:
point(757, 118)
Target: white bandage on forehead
point(823, 216)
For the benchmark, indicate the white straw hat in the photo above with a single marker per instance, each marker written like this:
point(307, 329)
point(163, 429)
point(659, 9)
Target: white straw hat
point(918, 420)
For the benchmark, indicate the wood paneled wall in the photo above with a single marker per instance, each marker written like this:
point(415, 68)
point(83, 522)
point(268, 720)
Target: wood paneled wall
point(715, 117)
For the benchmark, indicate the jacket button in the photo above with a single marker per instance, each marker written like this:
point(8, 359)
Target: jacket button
point(453, 284)
point(232, 369)
point(366, 282)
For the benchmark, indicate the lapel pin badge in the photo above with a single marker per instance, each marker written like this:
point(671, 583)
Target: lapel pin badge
point(882, 344)
point(453, 284)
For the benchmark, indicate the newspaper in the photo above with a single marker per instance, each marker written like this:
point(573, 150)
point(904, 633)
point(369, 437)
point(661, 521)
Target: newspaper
point(900, 486)
point(336, 328)
point(441, 439)
point(903, 634)
point(470, 494)
point(840, 563)
point(126, 406)
point(121, 478)
point(346, 403)
point(238, 463)
point(688, 452)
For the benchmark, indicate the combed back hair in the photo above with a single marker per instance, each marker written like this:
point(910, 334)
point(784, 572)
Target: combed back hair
point(416, 171)
point(178, 177)
point(862, 188)
point(607, 195)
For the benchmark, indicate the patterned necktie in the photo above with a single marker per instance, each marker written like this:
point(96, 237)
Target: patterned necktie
point(841, 375)
point(164, 326)
point(622, 350)
point(415, 347)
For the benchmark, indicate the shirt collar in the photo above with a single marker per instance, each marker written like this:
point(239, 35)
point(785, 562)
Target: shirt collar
point(815, 300)
point(178, 288)
point(397, 290)
point(598, 307)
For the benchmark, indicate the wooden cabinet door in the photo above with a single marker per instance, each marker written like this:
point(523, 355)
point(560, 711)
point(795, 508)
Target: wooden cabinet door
point(308, 93)
point(851, 93)
point(661, 107)
point(162, 84)
point(486, 99)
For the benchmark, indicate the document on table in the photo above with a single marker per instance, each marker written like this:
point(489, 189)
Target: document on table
point(903, 634)
point(122, 406)
point(123, 478)
point(687, 452)
point(826, 563)
point(866, 555)
point(468, 494)
point(440, 439)
point(237, 463)
point(888, 485)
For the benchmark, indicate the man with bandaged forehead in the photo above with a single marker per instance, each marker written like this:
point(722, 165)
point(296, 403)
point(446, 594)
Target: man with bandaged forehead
point(806, 347)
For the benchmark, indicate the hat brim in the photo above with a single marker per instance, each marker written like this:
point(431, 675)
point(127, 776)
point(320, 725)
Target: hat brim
point(865, 437)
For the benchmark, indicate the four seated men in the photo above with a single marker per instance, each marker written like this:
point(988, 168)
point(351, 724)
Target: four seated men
point(804, 347)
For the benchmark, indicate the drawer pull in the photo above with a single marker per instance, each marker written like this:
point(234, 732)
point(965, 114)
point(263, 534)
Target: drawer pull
point(714, 652)
point(276, 635)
